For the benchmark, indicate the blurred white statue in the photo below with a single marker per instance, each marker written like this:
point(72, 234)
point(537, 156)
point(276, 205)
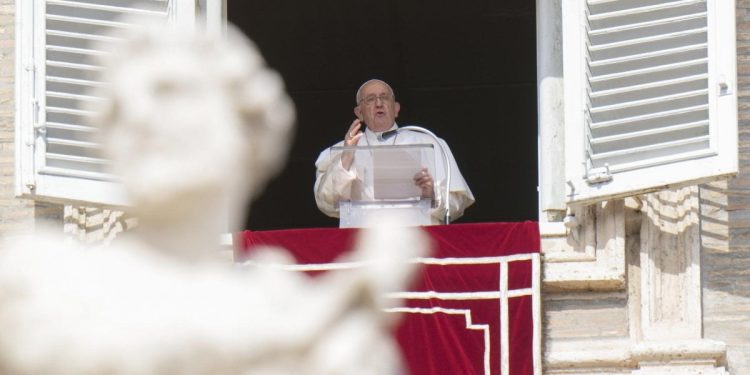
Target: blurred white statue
point(194, 122)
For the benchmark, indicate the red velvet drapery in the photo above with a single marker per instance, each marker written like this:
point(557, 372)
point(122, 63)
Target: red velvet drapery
point(453, 318)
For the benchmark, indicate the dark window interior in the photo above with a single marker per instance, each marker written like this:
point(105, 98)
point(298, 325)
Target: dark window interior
point(465, 70)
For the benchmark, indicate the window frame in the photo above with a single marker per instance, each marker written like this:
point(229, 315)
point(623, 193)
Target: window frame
point(29, 135)
point(31, 181)
point(722, 115)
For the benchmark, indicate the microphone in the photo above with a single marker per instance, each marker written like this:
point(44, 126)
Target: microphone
point(447, 162)
point(384, 136)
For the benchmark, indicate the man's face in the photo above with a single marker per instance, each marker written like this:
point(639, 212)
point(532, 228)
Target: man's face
point(377, 107)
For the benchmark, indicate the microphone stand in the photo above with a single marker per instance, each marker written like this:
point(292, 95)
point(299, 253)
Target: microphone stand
point(447, 162)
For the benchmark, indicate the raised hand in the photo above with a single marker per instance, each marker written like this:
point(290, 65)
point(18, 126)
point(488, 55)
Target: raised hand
point(350, 139)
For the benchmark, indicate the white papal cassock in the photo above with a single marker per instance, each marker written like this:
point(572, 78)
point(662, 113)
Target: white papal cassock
point(334, 183)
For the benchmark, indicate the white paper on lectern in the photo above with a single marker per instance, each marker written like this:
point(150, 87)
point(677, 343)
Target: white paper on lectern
point(393, 173)
point(386, 173)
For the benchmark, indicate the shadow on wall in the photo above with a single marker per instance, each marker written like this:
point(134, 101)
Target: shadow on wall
point(725, 235)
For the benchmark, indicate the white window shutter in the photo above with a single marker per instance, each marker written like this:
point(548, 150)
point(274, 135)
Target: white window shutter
point(58, 155)
point(650, 91)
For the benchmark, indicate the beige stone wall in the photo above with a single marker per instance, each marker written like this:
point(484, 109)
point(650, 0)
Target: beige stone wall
point(726, 261)
point(588, 330)
point(598, 323)
point(725, 209)
point(16, 215)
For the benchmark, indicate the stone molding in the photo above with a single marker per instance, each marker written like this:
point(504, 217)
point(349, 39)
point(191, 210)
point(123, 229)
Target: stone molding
point(589, 252)
point(628, 356)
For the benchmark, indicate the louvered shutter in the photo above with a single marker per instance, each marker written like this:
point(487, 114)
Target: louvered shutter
point(650, 95)
point(58, 154)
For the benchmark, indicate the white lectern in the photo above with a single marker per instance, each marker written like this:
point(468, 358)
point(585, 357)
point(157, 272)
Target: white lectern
point(384, 180)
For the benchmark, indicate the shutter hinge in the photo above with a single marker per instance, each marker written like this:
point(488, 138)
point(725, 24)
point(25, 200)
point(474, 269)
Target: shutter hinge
point(39, 129)
point(598, 175)
point(34, 122)
point(29, 177)
point(724, 86)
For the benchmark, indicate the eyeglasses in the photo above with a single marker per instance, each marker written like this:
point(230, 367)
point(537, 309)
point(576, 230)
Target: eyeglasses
point(370, 100)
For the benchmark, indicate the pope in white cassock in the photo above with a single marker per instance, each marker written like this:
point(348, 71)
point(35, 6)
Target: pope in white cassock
point(337, 179)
